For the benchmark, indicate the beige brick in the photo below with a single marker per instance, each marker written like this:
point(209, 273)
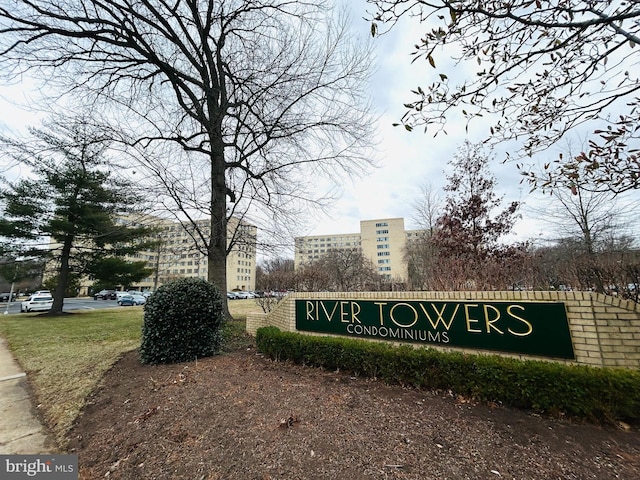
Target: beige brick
point(581, 310)
point(612, 322)
point(627, 364)
point(590, 348)
point(611, 341)
point(593, 362)
point(628, 349)
point(613, 355)
point(609, 331)
point(585, 335)
point(594, 354)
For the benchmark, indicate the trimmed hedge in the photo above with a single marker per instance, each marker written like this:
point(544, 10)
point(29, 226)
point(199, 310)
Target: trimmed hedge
point(600, 394)
point(182, 322)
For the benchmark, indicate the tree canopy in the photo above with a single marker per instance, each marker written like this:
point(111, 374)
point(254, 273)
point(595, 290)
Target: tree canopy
point(467, 238)
point(537, 69)
point(263, 97)
point(67, 209)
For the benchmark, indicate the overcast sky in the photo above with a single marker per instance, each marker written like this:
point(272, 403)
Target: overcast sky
point(407, 160)
point(411, 159)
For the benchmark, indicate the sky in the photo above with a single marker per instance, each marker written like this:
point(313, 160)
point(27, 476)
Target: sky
point(407, 160)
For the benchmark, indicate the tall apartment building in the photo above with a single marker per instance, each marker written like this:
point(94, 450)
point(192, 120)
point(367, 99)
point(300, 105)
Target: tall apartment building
point(176, 256)
point(382, 241)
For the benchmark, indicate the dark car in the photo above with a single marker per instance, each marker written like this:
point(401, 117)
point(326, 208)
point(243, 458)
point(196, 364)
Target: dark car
point(105, 295)
point(4, 297)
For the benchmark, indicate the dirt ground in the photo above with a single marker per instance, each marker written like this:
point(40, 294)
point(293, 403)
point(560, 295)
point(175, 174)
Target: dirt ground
point(241, 416)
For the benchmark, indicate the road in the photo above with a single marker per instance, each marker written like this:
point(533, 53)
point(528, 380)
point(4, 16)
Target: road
point(70, 304)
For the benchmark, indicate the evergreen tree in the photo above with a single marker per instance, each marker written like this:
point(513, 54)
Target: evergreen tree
point(66, 210)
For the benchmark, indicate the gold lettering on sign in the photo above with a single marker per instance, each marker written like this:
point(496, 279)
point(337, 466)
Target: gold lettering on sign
point(355, 310)
point(344, 312)
point(415, 315)
point(380, 313)
point(529, 326)
point(324, 308)
point(440, 315)
point(310, 310)
point(467, 306)
point(490, 323)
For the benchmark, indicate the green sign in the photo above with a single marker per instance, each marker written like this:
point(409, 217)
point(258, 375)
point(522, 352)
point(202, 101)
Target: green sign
point(530, 328)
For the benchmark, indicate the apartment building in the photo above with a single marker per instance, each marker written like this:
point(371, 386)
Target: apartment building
point(382, 241)
point(176, 255)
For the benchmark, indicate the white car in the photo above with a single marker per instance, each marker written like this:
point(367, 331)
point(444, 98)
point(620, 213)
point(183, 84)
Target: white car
point(37, 303)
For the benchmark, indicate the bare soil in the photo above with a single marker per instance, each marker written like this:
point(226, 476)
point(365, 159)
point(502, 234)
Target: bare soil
point(242, 416)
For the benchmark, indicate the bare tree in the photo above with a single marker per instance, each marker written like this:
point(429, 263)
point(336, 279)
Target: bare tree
point(348, 270)
point(540, 68)
point(427, 208)
point(576, 209)
point(263, 97)
point(419, 253)
point(591, 217)
point(339, 270)
point(276, 274)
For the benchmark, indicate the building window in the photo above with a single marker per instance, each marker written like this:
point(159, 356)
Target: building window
point(382, 224)
point(383, 246)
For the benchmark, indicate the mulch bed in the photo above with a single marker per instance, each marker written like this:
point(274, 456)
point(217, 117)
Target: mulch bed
point(241, 416)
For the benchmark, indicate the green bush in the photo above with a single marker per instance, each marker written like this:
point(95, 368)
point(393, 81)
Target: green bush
point(182, 322)
point(600, 394)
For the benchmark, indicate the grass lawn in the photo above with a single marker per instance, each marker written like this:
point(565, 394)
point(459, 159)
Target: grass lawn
point(65, 357)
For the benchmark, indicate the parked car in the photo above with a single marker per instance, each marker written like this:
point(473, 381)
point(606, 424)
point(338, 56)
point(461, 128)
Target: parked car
point(4, 297)
point(42, 292)
point(106, 295)
point(232, 296)
point(139, 299)
point(126, 299)
point(37, 303)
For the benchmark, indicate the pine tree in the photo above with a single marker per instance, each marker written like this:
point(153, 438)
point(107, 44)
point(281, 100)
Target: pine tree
point(66, 210)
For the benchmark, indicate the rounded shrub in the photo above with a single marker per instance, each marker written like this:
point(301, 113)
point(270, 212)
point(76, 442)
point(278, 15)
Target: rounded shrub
point(182, 322)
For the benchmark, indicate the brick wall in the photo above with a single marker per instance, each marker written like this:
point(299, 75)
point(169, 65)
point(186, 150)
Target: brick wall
point(605, 331)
